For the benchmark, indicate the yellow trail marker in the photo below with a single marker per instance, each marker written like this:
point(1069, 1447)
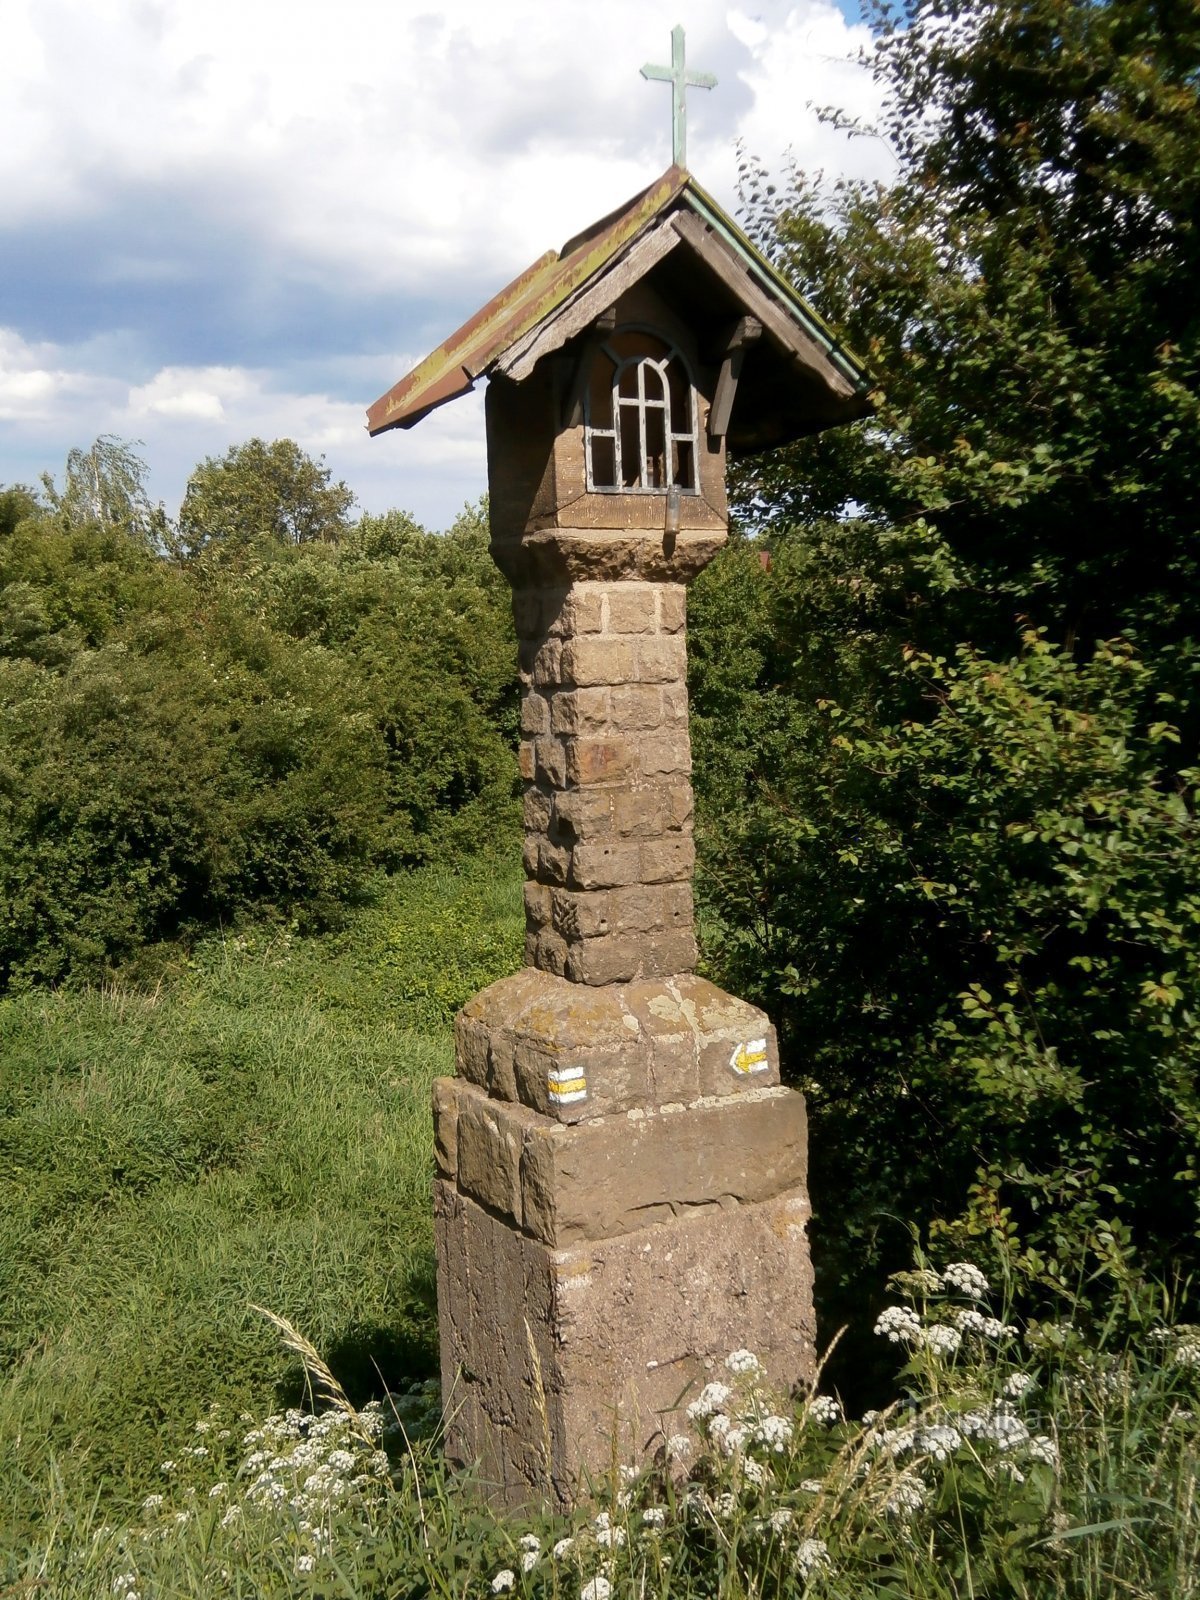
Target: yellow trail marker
point(750, 1057)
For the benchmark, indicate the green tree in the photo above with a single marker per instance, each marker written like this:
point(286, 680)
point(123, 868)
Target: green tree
point(106, 485)
point(262, 491)
point(947, 823)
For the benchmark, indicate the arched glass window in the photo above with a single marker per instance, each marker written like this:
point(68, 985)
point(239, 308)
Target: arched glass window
point(640, 417)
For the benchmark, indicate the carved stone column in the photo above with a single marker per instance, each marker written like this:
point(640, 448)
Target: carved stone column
point(621, 1193)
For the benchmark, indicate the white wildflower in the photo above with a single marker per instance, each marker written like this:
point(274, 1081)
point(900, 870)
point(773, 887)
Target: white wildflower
point(1042, 1449)
point(202, 1427)
point(1018, 1385)
point(123, 1582)
point(938, 1441)
point(232, 1515)
point(724, 1506)
point(811, 1555)
point(1187, 1353)
point(305, 1563)
point(986, 1327)
point(941, 1339)
point(811, 1486)
point(610, 1538)
point(823, 1408)
point(341, 1461)
point(678, 1446)
point(754, 1472)
point(899, 1324)
point(712, 1398)
point(729, 1437)
point(775, 1432)
point(967, 1279)
point(168, 1467)
point(529, 1541)
point(529, 1560)
point(781, 1520)
point(895, 1442)
point(743, 1362)
point(597, 1588)
point(152, 1502)
point(217, 1490)
point(504, 1580)
point(654, 1516)
point(563, 1547)
point(907, 1496)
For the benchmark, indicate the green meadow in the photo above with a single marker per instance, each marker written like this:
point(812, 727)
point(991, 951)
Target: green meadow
point(254, 1131)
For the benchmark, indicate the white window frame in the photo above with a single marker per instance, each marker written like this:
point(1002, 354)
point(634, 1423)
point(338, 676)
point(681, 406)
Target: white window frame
point(672, 435)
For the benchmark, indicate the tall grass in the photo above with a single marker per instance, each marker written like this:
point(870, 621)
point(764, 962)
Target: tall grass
point(1045, 1465)
point(256, 1132)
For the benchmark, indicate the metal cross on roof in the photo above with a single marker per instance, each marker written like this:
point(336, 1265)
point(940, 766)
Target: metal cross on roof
point(681, 81)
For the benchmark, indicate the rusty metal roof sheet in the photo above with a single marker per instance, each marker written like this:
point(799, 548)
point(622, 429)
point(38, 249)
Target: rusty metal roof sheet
point(555, 278)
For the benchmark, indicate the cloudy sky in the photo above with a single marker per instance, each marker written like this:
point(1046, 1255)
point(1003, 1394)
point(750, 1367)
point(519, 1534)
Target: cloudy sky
point(224, 218)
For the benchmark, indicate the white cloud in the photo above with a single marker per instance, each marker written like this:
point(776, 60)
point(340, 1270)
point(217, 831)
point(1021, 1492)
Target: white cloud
point(268, 156)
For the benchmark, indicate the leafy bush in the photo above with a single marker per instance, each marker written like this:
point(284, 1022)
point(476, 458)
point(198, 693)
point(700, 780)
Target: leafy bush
point(946, 745)
point(183, 743)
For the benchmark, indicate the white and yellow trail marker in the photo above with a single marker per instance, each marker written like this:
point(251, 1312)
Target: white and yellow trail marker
point(567, 1085)
point(750, 1057)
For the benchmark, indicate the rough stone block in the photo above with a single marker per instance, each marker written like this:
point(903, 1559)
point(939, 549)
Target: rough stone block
point(675, 704)
point(553, 862)
point(535, 714)
point(550, 951)
point(608, 760)
point(544, 670)
point(583, 816)
point(612, 958)
point(667, 860)
point(539, 905)
point(593, 659)
point(665, 754)
point(668, 952)
point(620, 1172)
point(637, 706)
point(632, 608)
point(660, 1039)
point(536, 807)
point(652, 809)
point(583, 608)
point(490, 1137)
point(526, 759)
point(604, 865)
point(551, 766)
point(660, 660)
point(472, 1042)
point(672, 608)
point(638, 908)
point(580, 710)
point(625, 1331)
point(446, 1095)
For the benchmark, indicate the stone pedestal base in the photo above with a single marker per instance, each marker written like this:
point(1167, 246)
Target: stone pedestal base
point(620, 1203)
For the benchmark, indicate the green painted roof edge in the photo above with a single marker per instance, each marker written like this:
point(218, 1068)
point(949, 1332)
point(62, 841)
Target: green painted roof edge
point(773, 280)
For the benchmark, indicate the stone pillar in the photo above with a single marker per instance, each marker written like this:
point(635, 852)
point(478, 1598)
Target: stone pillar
point(606, 759)
point(620, 1199)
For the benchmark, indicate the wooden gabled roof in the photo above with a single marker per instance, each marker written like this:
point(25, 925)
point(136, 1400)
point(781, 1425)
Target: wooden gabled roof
point(801, 379)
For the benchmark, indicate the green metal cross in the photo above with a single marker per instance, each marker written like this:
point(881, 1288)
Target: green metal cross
point(681, 81)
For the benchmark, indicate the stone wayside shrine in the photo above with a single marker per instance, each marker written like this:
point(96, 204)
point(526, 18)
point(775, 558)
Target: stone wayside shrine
point(620, 1196)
